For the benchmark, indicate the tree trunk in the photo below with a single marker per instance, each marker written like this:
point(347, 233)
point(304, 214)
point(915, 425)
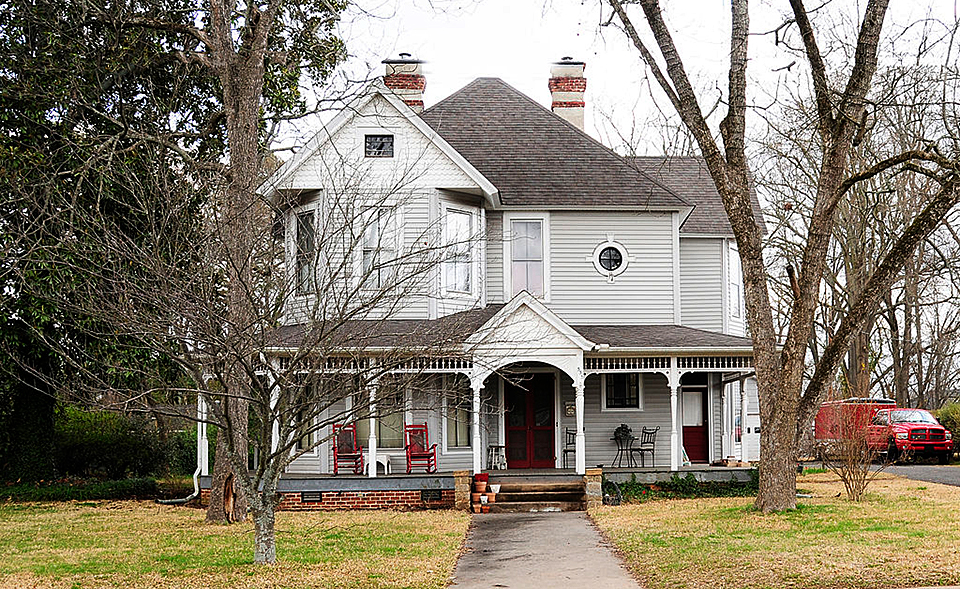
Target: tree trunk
point(265, 539)
point(228, 502)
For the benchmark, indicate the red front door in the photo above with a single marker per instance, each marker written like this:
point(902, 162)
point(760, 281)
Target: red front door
point(695, 435)
point(529, 418)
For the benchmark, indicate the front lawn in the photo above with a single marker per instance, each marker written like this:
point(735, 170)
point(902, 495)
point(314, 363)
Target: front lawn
point(142, 544)
point(906, 533)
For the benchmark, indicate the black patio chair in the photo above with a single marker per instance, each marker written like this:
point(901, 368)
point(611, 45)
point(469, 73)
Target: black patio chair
point(646, 443)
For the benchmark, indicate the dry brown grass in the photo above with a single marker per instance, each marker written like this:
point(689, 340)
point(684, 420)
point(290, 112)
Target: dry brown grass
point(905, 533)
point(131, 544)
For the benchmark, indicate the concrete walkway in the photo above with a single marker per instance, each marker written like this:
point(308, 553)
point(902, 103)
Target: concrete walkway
point(555, 550)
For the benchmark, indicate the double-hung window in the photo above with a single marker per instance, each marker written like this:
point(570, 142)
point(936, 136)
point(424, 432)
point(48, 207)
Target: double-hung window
point(526, 256)
point(458, 264)
point(459, 402)
point(379, 250)
point(389, 416)
point(306, 255)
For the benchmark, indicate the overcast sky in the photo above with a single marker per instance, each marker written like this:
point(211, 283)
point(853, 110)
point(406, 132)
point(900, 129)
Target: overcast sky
point(517, 40)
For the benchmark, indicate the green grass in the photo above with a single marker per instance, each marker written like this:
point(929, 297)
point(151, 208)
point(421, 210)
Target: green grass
point(142, 544)
point(899, 536)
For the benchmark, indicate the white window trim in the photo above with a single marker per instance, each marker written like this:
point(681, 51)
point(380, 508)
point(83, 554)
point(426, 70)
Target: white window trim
point(445, 207)
point(444, 449)
point(291, 242)
point(603, 395)
point(407, 419)
point(508, 219)
point(396, 229)
point(625, 257)
point(363, 131)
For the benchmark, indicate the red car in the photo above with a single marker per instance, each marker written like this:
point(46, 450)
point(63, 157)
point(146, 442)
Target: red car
point(909, 432)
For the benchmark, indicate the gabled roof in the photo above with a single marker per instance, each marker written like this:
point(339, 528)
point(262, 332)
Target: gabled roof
point(375, 88)
point(536, 158)
point(690, 178)
point(506, 313)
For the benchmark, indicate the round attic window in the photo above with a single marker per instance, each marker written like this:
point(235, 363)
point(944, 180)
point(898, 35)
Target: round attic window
point(610, 259)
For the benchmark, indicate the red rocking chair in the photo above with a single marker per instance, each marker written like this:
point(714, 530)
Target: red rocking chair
point(418, 452)
point(346, 452)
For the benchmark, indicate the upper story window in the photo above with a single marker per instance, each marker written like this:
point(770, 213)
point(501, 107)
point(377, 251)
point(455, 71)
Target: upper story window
point(526, 256)
point(378, 145)
point(306, 242)
point(736, 281)
point(379, 249)
point(458, 261)
point(622, 391)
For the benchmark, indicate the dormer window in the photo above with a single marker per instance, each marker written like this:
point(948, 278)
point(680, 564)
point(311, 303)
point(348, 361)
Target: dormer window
point(378, 146)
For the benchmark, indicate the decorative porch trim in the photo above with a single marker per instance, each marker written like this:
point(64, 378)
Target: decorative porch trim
point(626, 364)
point(714, 363)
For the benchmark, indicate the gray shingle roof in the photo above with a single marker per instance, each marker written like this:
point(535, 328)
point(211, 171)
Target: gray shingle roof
point(534, 157)
point(689, 177)
point(416, 334)
point(452, 330)
point(659, 336)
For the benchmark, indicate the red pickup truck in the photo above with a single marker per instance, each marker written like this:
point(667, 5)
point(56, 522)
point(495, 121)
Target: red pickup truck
point(909, 432)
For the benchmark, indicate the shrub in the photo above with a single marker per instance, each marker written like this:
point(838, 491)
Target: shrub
point(81, 490)
point(106, 445)
point(949, 417)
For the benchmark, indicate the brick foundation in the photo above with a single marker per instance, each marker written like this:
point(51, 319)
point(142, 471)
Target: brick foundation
point(367, 500)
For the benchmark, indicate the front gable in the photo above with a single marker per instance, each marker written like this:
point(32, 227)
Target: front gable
point(335, 158)
point(525, 324)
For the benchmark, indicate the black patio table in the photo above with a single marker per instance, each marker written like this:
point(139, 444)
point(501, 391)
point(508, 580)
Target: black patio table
point(624, 445)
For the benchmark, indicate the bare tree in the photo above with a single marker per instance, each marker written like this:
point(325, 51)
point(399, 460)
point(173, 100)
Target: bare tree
point(842, 112)
point(318, 296)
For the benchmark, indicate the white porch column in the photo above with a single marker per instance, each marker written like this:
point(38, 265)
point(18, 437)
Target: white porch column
point(372, 437)
point(203, 444)
point(475, 385)
point(743, 421)
point(581, 446)
point(674, 383)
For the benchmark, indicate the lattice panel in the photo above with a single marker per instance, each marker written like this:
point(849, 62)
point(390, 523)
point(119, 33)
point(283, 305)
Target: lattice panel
point(714, 362)
point(631, 364)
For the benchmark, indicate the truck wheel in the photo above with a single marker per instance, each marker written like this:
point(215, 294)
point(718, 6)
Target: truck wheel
point(945, 457)
point(893, 454)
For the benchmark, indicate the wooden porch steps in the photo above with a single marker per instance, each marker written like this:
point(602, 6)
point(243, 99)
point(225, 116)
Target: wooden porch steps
point(537, 493)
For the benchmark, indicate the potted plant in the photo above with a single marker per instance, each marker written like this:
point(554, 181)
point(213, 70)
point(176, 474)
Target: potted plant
point(480, 482)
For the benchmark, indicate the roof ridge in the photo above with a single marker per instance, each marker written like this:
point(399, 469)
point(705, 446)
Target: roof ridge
point(584, 135)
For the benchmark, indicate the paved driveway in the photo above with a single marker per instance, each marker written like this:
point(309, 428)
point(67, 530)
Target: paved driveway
point(551, 550)
point(944, 474)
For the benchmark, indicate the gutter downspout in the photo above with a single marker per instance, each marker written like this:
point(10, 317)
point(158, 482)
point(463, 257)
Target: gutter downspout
point(196, 473)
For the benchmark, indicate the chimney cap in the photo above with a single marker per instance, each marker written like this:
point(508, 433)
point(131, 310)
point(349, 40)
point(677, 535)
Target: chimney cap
point(404, 58)
point(569, 61)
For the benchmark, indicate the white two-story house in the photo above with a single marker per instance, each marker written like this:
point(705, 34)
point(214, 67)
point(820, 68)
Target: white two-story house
point(562, 289)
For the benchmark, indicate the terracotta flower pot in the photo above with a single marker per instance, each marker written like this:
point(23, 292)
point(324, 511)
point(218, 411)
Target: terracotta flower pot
point(475, 497)
point(476, 508)
point(491, 497)
point(485, 508)
point(480, 486)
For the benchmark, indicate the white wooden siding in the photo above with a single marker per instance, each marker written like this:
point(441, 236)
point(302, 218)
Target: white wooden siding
point(642, 294)
point(701, 283)
point(411, 178)
point(494, 271)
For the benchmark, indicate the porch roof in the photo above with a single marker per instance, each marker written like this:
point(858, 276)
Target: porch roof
point(453, 330)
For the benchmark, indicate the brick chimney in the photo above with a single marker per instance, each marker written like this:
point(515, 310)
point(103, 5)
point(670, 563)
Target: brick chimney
point(567, 86)
point(405, 77)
